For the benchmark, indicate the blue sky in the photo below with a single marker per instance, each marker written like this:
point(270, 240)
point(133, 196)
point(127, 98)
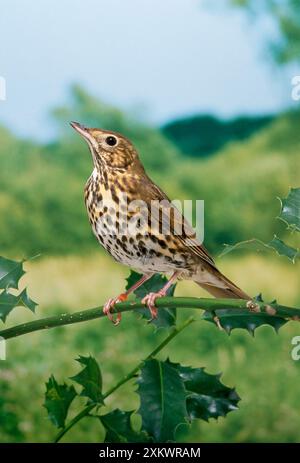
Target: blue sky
point(170, 57)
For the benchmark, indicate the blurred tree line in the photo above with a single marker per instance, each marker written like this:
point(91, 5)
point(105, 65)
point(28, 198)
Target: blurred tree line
point(41, 193)
point(203, 135)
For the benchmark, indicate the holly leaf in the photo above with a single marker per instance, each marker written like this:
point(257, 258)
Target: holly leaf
point(10, 273)
point(290, 215)
point(119, 429)
point(241, 318)
point(290, 209)
point(253, 244)
point(9, 301)
point(58, 398)
point(257, 245)
point(90, 379)
point(162, 400)
point(206, 396)
point(283, 249)
point(166, 317)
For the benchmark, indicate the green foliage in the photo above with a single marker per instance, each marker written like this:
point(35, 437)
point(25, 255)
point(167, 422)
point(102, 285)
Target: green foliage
point(275, 244)
point(9, 301)
point(206, 396)
point(163, 400)
point(285, 15)
point(119, 429)
point(290, 209)
point(170, 395)
point(230, 320)
point(90, 379)
point(46, 200)
point(58, 398)
point(283, 249)
point(237, 183)
point(201, 136)
point(290, 214)
point(156, 151)
point(166, 317)
point(9, 420)
point(46, 196)
point(10, 274)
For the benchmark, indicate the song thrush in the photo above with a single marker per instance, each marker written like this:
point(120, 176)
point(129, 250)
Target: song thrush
point(138, 225)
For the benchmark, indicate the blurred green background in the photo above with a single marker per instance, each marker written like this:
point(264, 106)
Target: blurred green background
point(239, 166)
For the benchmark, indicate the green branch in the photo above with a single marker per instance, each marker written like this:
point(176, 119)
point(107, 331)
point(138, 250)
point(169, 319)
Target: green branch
point(85, 412)
point(207, 304)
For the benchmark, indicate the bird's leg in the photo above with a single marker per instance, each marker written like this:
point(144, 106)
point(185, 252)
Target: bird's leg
point(110, 304)
point(149, 299)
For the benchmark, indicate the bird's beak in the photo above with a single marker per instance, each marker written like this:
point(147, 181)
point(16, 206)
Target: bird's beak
point(84, 132)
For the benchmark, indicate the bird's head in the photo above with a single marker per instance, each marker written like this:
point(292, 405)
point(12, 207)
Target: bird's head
point(109, 149)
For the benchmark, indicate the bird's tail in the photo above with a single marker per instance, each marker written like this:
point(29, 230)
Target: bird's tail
point(221, 287)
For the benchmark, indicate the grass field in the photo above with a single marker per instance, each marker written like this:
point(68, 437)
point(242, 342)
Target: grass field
point(260, 368)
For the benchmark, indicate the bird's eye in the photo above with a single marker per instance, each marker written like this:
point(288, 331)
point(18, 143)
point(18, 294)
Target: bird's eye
point(111, 141)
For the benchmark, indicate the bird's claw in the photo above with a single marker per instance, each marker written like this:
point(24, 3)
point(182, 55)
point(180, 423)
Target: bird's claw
point(149, 301)
point(109, 306)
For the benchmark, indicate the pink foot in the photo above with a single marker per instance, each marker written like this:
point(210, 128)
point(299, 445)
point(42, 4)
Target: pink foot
point(109, 306)
point(149, 301)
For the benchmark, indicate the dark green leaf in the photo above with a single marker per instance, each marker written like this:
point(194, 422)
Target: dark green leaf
point(90, 378)
point(10, 273)
point(58, 398)
point(163, 400)
point(166, 317)
point(239, 318)
point(290, 209)
point(207, 397)
point(154, 284)
point(119, 428)
point(9, 301)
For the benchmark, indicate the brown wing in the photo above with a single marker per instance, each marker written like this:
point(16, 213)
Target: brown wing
point(169, 216)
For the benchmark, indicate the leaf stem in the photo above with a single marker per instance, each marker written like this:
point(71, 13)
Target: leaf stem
point(208, 304)
point(75, 420)
point(174, 332)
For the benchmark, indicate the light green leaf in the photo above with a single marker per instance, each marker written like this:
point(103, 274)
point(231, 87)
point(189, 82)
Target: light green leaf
point(275, 244)
point(252, 244)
